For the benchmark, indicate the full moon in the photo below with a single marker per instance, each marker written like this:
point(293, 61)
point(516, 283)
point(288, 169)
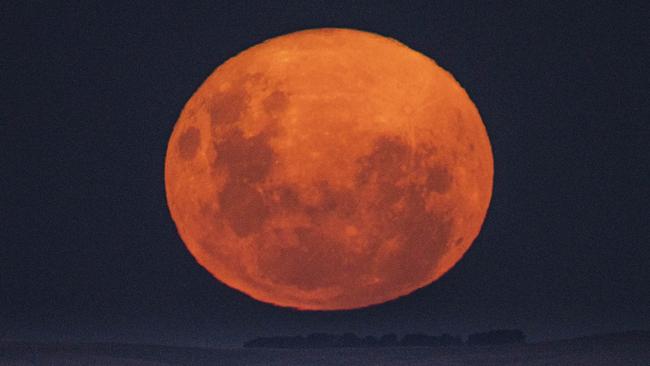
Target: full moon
point(329, 169)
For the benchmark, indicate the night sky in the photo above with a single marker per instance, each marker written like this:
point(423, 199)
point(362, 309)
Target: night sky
point(90, 94)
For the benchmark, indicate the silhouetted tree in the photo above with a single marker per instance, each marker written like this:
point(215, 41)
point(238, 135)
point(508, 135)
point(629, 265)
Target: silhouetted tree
point(388, 340)
point(276, 342)
point(495, 337)
point(319, 340)
point(424, 340)
point(449, 340)
point(348, 340)
point(418, 340)
point(369, 341)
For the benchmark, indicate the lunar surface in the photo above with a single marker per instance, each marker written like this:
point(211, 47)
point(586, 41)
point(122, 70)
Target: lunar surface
point(329, 169)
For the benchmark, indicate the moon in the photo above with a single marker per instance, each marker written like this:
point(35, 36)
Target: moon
point(328, 169)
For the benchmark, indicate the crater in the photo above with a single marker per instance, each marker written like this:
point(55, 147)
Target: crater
point(188, 143)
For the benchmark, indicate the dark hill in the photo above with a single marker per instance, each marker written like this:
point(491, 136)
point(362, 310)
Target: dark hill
point(620, 349)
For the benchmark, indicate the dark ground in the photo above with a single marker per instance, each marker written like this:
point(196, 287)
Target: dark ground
point(622, 349)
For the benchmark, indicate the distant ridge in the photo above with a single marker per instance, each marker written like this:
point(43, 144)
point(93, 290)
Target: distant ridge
point(623, 348)
point(639, 335)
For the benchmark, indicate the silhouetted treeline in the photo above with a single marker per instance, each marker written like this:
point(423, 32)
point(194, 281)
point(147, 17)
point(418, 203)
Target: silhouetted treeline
point(423, 340)
point(495, 337)
point(325, 340)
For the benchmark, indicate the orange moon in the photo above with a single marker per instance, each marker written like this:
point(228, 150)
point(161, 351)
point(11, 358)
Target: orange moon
point(329, 169)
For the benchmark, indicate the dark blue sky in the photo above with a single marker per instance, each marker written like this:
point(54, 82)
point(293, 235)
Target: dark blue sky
point(90, 94)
